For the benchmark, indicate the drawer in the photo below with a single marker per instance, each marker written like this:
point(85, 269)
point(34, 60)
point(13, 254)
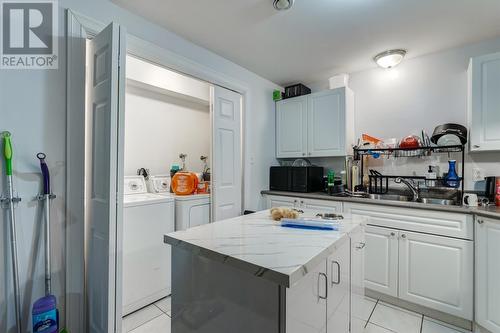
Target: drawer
point(322, 206)
point(420, 220)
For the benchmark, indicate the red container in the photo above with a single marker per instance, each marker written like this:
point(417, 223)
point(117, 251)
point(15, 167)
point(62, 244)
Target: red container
point(497, 196)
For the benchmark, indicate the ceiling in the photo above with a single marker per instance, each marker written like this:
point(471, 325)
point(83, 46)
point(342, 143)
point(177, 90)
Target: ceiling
point(318, 38)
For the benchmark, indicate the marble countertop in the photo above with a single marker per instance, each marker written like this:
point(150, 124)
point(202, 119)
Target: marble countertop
point(262, 247)
point(488, 211)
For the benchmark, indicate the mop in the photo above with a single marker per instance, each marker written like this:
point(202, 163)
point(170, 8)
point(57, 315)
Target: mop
point(11, 200)
point(45, 314)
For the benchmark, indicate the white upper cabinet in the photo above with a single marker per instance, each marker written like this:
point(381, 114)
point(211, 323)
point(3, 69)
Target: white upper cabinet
point(291, 127)
point(326, 124)
point(315, 125)
point(487, 274)
point(484, 103)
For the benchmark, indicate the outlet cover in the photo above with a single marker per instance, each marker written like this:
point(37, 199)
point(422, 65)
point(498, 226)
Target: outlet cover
point(477, 174)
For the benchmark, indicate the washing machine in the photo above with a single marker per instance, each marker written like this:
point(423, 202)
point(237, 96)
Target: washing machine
point(190, 210)
point(146, 259)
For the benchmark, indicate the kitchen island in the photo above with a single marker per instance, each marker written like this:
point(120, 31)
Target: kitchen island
point(248, 274)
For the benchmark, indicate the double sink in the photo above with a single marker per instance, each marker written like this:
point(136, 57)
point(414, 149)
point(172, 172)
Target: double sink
point(426, 200)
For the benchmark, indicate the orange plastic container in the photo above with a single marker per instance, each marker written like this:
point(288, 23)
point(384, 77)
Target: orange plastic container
point(184, 183)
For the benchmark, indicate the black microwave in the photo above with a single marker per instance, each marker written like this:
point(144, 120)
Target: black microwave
point(296, 179)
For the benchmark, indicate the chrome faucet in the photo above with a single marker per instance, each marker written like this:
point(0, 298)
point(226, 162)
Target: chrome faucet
point(414, 187)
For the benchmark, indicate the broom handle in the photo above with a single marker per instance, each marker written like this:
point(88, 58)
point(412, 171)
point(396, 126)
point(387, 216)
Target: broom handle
point(7, 152)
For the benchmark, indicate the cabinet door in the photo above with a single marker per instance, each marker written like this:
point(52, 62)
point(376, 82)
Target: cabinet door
point(487, 274)
point(280, 201)
point(291, 127)
point(306, 302)
point(381, 260)
point(327, 123)
point(322, 206)
point(484, 103)
point(339, 287)
point(436, 272)
point(358, 246)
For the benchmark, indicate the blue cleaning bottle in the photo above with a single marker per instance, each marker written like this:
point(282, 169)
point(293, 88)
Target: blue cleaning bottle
point(452, 179)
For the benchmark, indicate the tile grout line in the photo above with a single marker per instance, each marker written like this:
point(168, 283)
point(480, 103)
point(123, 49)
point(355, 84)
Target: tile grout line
point(165, 312)
point(371, 313)
point(422, 324)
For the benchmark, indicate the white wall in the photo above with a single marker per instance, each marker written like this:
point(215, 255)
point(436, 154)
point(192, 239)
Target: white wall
point(32, 107)
point(422, 92)
point(159, 127)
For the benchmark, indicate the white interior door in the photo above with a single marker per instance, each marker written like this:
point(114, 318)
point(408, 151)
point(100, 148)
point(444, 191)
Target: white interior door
point(105, 195)
point(226, 154)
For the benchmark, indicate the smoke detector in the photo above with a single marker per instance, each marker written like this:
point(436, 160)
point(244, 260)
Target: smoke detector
point(282, 4)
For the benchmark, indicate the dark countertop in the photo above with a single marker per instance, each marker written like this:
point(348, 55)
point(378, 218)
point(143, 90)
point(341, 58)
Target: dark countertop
point(488, 211)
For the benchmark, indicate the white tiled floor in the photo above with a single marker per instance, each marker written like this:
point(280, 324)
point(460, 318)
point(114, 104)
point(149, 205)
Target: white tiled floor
point(152, 318)
point(376, 316)
point(387, 318)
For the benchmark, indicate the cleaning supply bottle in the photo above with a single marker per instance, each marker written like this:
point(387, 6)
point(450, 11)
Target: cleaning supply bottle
point(330, 181)
point(452, 179)
point(45, 315)
point(431, 176)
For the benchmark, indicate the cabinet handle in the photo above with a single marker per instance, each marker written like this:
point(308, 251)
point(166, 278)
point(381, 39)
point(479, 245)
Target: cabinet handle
point(476, 146)
point(326, 286)
point(360, 246)
point(480, 221)
point(303, 154)
point(393, 234)
point(338, 272)
point(403, 236)
point(301, 202)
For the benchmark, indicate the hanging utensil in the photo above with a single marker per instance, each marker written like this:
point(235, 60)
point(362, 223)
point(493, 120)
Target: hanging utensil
point(45, 314)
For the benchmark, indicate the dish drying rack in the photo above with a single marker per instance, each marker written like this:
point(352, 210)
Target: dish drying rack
point(379, 183)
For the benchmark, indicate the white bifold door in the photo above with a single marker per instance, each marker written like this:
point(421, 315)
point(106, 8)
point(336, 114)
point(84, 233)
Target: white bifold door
point(226, 154)
point(105, 187)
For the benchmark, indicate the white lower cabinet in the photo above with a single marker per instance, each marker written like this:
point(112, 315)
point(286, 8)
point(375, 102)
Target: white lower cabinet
point(306, 302)
point(320, 301)
point(381, 260)
point(437, 272)
point(358, 251)
point(302, 203)
point(339, 287)
point(281, 201)
point(488, 274)
point(322, 206)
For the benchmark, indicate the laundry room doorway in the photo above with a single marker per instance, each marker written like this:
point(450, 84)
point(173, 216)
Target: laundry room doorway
point(128, 116)
point(174, 124)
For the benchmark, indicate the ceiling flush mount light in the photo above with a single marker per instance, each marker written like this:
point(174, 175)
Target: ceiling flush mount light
point(390, 58)
point(282, 4)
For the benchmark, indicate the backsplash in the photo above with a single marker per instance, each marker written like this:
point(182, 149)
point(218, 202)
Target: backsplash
point(488, 163)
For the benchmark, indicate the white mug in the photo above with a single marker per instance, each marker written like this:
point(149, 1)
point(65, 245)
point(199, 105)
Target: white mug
point(470, 199)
